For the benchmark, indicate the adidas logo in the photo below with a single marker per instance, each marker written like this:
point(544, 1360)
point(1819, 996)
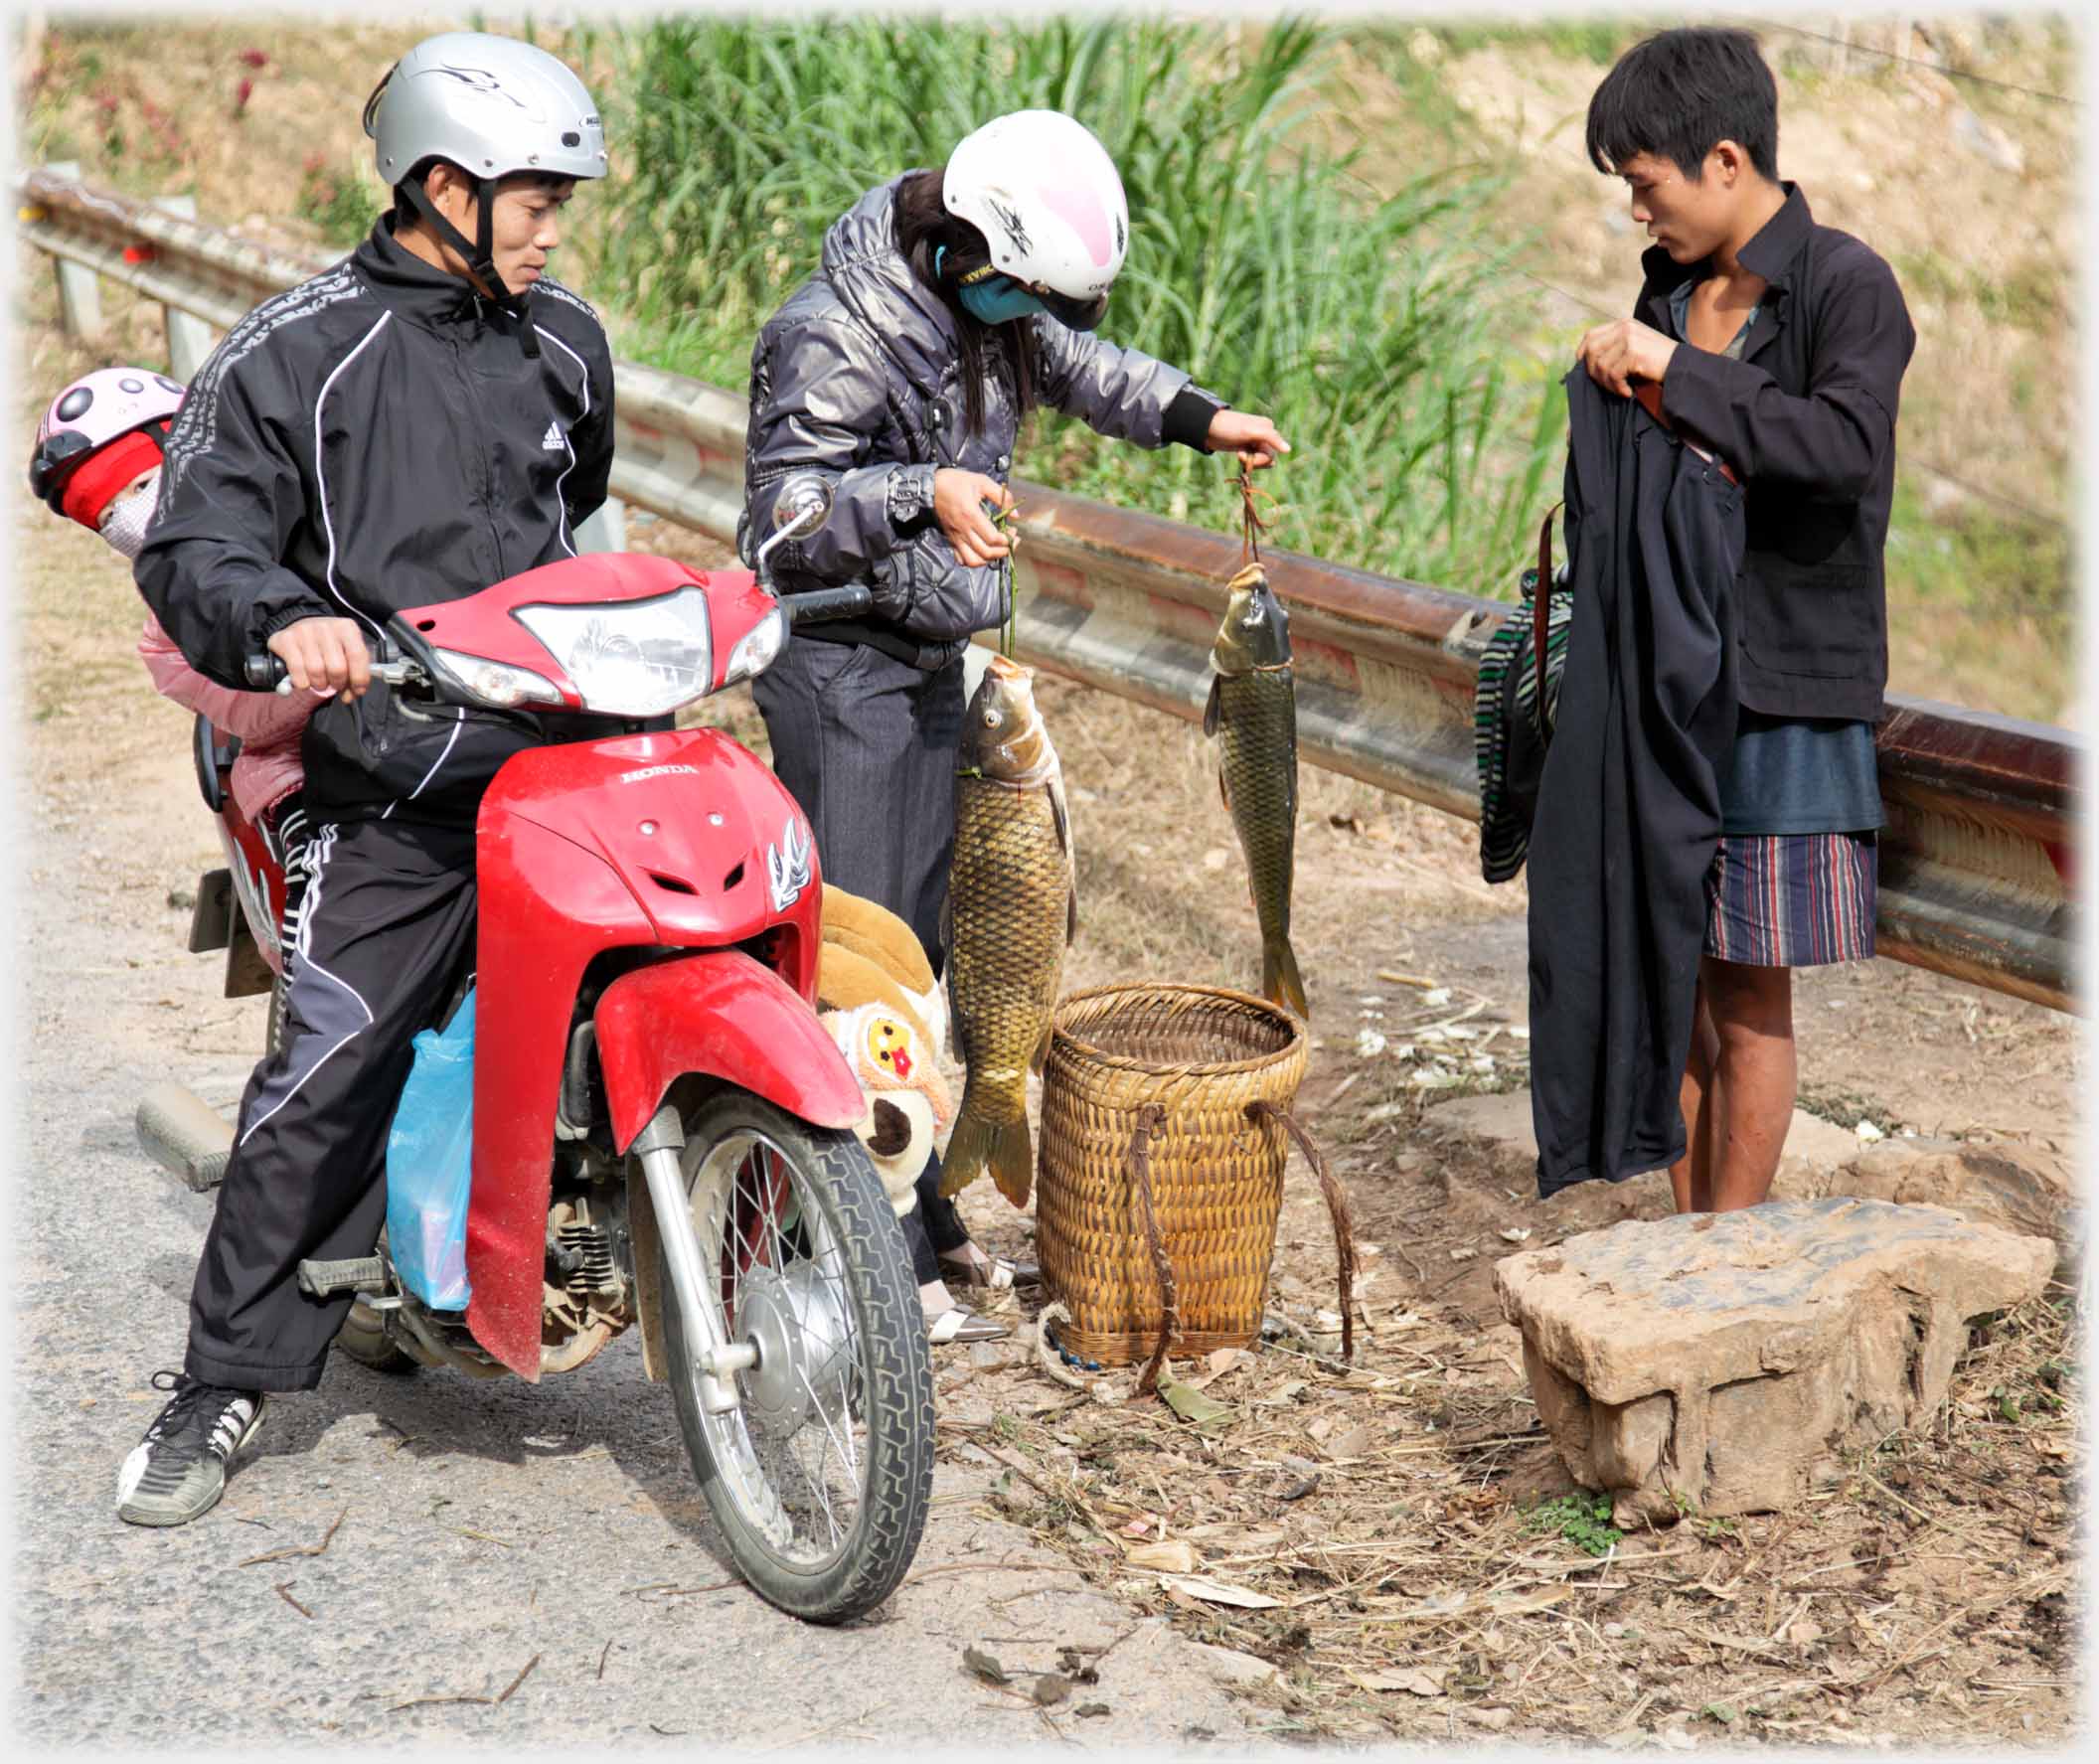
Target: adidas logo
point(553, 441)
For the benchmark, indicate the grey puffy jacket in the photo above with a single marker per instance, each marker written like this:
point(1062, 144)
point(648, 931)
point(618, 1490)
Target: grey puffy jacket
point(858, 377)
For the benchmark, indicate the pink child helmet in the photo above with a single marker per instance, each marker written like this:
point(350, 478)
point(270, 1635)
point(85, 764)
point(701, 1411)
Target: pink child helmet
point(102, 435)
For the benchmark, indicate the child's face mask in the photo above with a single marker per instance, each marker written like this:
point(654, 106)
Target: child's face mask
point(124, 522)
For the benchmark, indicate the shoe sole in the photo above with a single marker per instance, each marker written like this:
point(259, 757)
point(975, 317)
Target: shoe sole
point(147, 1515)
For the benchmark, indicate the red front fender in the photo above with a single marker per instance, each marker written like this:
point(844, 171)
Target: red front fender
point(728, 1017)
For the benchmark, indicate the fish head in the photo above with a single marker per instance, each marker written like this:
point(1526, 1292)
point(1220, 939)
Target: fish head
point(1256, 630)
point(1003, 736)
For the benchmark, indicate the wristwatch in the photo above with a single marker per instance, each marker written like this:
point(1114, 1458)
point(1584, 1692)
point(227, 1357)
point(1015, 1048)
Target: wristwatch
point(909, 494)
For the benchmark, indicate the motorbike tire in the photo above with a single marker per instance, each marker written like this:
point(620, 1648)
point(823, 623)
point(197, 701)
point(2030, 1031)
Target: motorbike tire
point(363, 1339)
point(878, 1371)
point(363, 1336)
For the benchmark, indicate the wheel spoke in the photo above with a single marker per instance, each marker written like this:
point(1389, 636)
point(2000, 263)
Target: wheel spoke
point(794, 1459)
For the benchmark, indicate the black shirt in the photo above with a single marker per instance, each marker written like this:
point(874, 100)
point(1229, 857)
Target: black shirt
point(1807, 420)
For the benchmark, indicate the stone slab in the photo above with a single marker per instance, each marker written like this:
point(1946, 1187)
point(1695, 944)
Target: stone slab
point(1729, 1360)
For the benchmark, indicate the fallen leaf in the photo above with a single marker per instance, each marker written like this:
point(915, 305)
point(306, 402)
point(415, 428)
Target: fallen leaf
point(1516, 1234)
point(1721, 1712)
point(1051, 1688)
point(1217, 1592)
point(1190, 1403)
point(1494, 1720)
point(1419, 1680)
point(1352, 1444)
point(985, 1667)
point(1087, 1709)
point(1173, 1557)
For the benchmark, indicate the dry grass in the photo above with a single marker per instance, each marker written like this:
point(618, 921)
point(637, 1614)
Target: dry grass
point(1383, 1522)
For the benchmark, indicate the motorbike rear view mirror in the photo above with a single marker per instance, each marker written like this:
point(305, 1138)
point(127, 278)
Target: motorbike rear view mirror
point(802, 506)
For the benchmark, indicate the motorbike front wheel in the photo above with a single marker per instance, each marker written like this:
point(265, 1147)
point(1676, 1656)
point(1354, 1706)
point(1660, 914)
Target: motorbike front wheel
point(819, 1477)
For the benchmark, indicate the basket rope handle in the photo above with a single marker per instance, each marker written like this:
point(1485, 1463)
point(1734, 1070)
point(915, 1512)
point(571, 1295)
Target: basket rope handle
point(1337, 1211)
point(1149, 1118)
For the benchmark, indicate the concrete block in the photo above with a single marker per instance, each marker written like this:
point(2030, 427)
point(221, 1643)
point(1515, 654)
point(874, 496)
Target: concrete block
point(1731, 1362)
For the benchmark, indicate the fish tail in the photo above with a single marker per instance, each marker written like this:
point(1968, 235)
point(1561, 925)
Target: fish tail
point(1001, 1147)
point(1280, 981)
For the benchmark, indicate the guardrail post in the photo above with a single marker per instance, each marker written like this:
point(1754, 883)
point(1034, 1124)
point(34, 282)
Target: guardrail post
point(190, 338)
point(605, 530)
point(80, 289)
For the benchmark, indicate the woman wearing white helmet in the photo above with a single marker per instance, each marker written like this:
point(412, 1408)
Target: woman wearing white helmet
point(949, 302)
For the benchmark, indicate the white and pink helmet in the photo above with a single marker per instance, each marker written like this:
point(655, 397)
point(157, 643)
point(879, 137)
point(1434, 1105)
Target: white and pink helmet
point(100, 435)
point(1048, 199)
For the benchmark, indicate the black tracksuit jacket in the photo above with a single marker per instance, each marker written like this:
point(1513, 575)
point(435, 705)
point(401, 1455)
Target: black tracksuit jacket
point(379, 438)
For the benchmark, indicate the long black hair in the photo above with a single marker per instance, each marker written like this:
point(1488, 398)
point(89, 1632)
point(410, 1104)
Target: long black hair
point(923, 228)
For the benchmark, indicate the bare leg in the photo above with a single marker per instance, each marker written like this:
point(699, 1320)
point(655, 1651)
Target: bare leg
point(1690, 1176)
point(1756, 1074)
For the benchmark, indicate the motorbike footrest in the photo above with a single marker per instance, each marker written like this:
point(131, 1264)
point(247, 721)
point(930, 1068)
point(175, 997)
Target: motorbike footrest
point(365, 1273)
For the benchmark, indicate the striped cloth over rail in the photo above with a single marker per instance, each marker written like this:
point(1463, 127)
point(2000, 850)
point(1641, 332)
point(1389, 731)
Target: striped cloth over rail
point(1505, 698)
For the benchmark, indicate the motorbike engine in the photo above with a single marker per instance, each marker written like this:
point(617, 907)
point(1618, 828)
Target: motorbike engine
point(586, 1300)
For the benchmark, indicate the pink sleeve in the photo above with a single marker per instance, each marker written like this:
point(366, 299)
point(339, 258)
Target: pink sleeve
point(255, 717)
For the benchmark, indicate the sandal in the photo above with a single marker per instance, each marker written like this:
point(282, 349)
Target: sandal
point(993, 1273)
point(960, 1324)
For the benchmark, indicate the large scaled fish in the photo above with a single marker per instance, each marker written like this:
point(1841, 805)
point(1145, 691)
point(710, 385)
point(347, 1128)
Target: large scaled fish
point(1013, 907)
point(1252, 711)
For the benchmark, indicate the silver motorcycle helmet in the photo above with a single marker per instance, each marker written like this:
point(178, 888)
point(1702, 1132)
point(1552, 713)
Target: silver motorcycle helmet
point(492, 107)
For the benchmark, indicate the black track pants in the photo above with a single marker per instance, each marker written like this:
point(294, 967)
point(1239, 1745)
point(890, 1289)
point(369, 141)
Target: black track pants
point(386, 933)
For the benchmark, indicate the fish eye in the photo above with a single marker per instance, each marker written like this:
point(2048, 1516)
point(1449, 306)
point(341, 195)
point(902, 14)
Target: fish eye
point(991, 719)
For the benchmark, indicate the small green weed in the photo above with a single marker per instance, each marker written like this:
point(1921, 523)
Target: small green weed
point(1583, 1518)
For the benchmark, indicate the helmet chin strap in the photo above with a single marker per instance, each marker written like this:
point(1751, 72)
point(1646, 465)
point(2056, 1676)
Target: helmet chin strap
point(480, 255)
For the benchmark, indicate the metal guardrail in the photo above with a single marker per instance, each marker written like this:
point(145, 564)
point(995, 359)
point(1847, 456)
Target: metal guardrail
point(1975, 865)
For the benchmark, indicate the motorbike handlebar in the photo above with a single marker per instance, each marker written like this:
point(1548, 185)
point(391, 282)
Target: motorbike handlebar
point(266, 673)
point(826, 603)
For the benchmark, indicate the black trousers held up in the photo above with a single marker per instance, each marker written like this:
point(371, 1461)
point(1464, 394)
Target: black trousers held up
point(387, 929)
point(866, 744)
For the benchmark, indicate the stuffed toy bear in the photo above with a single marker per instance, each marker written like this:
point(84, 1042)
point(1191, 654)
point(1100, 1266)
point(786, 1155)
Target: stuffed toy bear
point(880, 1000)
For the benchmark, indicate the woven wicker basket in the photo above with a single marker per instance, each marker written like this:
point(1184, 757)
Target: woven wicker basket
point(1174, 1071)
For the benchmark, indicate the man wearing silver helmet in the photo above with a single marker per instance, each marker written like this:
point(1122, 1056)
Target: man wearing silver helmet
point(430, 416)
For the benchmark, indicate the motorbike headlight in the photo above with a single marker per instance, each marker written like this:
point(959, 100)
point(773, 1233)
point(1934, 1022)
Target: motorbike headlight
point(758, 648)
point(496, 682)
point(635, 658)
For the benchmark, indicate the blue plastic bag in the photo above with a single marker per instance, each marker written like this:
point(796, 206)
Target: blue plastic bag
point(430, 1165)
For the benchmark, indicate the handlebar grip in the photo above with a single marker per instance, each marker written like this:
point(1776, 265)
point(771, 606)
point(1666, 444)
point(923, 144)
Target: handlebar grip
point(265, 672)
point(827, 604)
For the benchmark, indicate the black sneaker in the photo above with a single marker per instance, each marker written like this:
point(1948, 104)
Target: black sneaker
point(178, 1471)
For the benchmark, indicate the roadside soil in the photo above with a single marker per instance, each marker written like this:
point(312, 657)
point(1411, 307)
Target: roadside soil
point(1368, 1551)
point(1393, 1511)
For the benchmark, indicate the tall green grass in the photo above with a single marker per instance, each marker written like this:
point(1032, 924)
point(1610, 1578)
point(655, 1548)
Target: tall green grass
point(1370, 325)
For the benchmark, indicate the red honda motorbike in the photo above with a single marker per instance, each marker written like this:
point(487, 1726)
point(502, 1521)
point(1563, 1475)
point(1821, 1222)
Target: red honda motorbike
point(662, 1128)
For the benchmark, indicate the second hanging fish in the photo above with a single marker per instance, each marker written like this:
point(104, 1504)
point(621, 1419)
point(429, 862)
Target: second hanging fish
point(1252, 712)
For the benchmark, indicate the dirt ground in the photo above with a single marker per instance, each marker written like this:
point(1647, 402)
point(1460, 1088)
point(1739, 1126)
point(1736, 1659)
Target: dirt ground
point(1384, 1535)
point(1379, 1527)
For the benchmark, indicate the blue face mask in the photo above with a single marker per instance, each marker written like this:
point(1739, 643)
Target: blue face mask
point(997, 299)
